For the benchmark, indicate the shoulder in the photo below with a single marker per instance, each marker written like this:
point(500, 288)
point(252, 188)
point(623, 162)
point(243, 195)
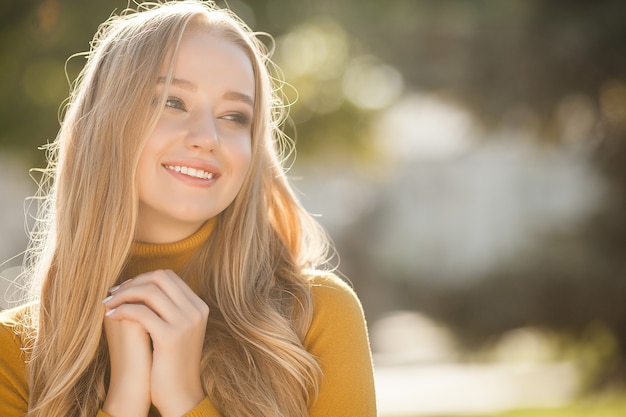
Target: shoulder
point(14, 317)
point(331, 292)
point(13, 359)
point(329, 282)
point(12, 330)
point(338, 340)
point(336, 307)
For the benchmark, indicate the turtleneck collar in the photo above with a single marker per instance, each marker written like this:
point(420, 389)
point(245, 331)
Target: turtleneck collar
point(145, 257)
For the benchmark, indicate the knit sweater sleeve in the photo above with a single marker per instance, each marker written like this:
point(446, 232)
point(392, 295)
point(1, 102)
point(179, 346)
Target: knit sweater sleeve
point(338, 339)
point(13, 381)
point(13, 378)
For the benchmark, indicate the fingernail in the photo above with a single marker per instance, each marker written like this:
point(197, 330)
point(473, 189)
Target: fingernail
point(106, 300)
point(115, 288)
point(108, 313)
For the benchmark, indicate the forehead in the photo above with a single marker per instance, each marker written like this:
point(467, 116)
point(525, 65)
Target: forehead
point(206, 58)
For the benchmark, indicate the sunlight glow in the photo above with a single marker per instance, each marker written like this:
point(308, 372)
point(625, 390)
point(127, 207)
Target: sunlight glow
point(425, 127)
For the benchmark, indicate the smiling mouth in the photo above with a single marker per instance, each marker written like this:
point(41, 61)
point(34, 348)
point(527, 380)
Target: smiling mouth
point(191, 172)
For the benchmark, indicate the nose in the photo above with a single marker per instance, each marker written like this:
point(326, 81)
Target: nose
point(203, 135)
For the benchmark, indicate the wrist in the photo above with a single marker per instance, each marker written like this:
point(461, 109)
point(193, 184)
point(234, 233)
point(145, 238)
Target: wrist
point(181, 406)
point(131, 401)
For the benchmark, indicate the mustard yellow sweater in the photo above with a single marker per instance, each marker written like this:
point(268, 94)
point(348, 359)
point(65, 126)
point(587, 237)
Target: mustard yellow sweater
point(337, 337)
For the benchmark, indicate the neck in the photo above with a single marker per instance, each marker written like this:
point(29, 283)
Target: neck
point(146, 257)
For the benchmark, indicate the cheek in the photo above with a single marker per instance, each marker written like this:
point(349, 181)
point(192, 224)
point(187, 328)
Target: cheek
point(142, 178)
point(145, 163)
point(241, 164)
point(244, 156)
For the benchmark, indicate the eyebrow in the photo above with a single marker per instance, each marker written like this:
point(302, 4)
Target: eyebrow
point(236, 96)
point(184, 84)
point(229, 95)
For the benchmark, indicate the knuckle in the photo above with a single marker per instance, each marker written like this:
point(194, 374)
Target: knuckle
point(159, 275)
point(123, 310)
point(193, 321)
point(162, 276)
point(152, 290)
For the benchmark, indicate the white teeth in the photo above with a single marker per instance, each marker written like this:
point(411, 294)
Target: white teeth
point(192, 172)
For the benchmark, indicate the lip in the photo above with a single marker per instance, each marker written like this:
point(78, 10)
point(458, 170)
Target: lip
point(198, 165)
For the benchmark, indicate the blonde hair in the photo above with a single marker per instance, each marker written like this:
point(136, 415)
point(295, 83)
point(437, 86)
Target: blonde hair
point(251, 271)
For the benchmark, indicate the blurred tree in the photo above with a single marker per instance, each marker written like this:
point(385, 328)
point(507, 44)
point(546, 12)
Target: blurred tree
point(36, 39)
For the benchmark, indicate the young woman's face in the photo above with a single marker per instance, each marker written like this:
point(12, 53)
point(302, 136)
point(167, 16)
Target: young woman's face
point(195, 161)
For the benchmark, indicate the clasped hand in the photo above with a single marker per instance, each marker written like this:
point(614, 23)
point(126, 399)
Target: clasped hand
point(155, 326)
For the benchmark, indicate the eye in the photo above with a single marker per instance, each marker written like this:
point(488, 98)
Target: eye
point(175, 103)
point(239, 118)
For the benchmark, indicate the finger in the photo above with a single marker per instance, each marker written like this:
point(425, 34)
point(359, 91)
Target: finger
point(140, 314)
point(163, 334)
point(172, 285)
point(118, 286)
point(150, 295)
point(169, 277)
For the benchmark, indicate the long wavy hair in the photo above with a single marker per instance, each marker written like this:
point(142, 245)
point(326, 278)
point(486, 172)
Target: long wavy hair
point(252, 271)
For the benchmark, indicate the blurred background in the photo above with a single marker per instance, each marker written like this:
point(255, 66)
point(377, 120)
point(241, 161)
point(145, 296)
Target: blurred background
point(468, 159)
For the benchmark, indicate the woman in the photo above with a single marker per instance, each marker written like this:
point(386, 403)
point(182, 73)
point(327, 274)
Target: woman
point(173, 271)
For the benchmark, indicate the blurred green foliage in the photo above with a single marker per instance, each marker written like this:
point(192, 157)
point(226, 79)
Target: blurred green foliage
point(36, 39)
point(347, 59)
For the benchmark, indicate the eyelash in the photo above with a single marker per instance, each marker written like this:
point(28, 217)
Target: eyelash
point(178, 103)
point(239, 118)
